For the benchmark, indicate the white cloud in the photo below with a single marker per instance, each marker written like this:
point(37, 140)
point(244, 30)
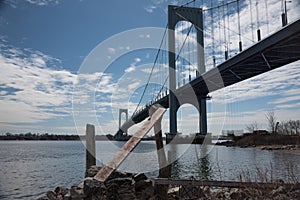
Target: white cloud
point(282, 81)
point(43, 2)
point(14, 3)
point(111, 50)
point(34, 91)
point(286, 99)
point(131, 68)
point(137, 60)
point(133, 85)
point(150, 8)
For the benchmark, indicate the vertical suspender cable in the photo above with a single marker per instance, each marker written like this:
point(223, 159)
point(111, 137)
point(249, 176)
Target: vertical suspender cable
point(283, 15)
point(267, 16)
point(228, 30)
point(212, 33)
point(257, 22)
point(239, 26)
point(251, 18)
point(219, 19)
point(224, 25)
point(189, 57)
point(177, 52)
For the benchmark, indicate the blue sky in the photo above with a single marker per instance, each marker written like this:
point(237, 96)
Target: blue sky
point(59, 56)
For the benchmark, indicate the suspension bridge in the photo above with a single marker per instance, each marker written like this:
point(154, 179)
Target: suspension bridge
point(195, 66)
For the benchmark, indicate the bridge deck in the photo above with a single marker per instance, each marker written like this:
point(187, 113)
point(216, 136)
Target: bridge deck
point(278, 49)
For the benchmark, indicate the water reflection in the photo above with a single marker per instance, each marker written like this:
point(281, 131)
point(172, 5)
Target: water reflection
point(204, 164)
point(205, 168)
point(197, 166)
point(172, 155)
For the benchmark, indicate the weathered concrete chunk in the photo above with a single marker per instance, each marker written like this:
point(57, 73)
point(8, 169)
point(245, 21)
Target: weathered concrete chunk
point(62, 191)
point(144, 189)
point(94, 189)
point(77, 193)
point(67, 196)
point(51, 195)
point(121, 181)
point(92, 171)
point(143, 184)
point(139, 177)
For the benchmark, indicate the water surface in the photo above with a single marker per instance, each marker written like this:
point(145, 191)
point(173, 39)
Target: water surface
point(30, 168)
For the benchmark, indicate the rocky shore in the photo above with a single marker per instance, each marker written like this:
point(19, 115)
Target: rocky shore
point(127, 186)
point(119, 186)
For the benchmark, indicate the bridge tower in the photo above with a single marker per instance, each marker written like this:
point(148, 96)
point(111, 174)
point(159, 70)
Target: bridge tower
point(120, 118)
point(194, 16)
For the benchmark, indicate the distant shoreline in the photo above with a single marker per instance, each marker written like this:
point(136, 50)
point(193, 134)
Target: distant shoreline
point(274, 142)
point(54, 137)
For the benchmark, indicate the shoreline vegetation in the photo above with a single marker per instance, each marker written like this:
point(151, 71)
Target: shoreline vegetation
point(272, 142)
point(263, 141)
point(260, 140)
point(46, 136)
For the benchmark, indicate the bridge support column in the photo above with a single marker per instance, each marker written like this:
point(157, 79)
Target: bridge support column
point(203, 116)
point(173, 117)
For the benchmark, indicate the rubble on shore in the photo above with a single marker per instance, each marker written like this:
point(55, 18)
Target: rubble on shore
point(127, 186)
point(119, 186)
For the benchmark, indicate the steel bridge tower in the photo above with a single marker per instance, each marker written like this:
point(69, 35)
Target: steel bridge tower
point(194, 16)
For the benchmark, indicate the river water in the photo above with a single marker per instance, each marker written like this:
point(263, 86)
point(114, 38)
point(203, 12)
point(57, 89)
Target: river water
point(30, 168)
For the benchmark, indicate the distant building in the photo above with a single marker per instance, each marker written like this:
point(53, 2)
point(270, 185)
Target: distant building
point(260, 132)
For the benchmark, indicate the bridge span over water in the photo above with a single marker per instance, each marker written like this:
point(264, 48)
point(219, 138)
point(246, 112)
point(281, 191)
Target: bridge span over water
point(274, 51)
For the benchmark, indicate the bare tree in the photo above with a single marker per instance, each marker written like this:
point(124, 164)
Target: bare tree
point(286, 128)
point(297, 124)
point(280, 129)
point(289, 127)
point(252, 127)
point(293, 126)
point(271, 121)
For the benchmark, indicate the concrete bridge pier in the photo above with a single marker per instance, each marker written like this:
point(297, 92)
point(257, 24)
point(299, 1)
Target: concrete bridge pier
point(203, 116)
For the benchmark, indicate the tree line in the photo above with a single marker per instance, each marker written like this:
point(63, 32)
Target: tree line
point(290, 127)
point(37, 136)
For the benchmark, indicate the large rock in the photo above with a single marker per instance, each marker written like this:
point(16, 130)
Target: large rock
point(61, 192)
point(237, 194)
point(139, 177)
point(77, 193)
point(144, 189)
point(121, 188)
point(92, 171)
point(51, 195)
point(94, 189)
